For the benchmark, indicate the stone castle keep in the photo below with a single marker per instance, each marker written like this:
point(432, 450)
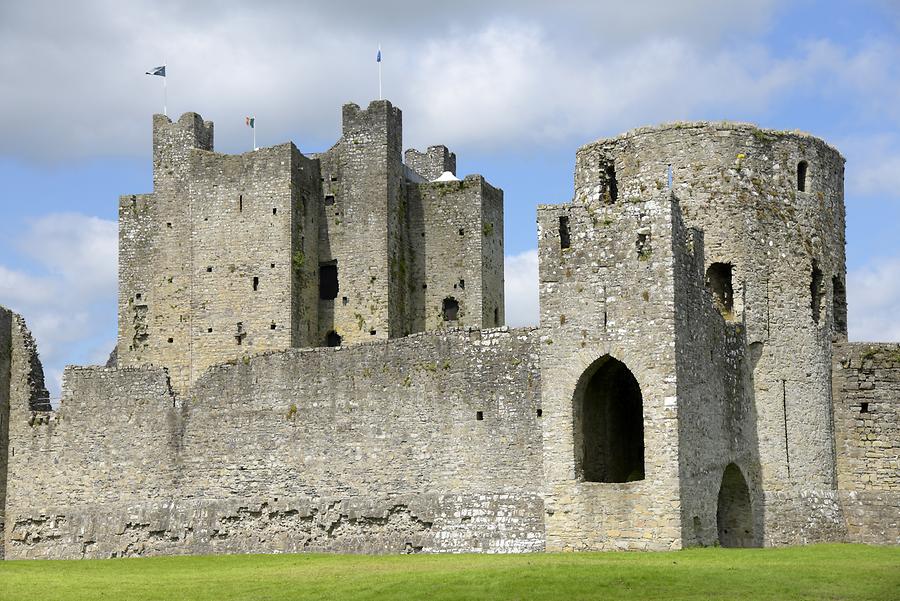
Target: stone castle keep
point(312, 356)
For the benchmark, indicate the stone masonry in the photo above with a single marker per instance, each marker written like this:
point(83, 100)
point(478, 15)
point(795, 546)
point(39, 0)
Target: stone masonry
point(312, 357)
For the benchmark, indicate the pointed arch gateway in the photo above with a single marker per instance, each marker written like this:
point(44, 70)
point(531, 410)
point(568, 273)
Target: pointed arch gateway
point(734, 513)
point(608, 424)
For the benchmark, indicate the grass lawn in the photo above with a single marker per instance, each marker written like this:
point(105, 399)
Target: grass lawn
point(820, 572)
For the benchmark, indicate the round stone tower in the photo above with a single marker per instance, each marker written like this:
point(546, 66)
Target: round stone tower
point(771, 207)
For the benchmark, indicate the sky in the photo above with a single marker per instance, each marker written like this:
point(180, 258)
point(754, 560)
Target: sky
point(514, 88)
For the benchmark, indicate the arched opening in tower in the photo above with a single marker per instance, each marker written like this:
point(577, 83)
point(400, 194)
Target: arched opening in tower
point(816, 291)
point(734, 514)
point(802, 167)
point(609, 424)
point(718, 282)
point(332, 338)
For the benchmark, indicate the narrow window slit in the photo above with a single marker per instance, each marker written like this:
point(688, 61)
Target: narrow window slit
point(564, 239)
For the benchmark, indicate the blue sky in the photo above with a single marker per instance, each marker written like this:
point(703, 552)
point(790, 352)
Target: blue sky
point(512, 87)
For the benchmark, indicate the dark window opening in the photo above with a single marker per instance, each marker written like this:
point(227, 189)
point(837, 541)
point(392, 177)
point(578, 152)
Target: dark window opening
point(345, 300)
point(462, 284)
point(209, 330)
point(272, 326)
point(137, 296)
point(169, 224)
point(462, 232)
point(240, 334)
point(272, 265)
point(329, 200)
point(540, 412)
point(863, 407)
point(816, 292)
point(255, 283)
point(171, 340)
point(802, 167)
point(334, 178)
point(332, 338)
point(718, 282)
point(372, 332)
point(839, 292)
point(612, 186)
point(496, 316)
point(240, 203)
point(479, 415)
point(564, 240)
point(328, 281)
point(609, 424)
point(450, 309)
point(274, 211)
point(424, 286)
point(642, 245)
point(209, 270)
point(734, 515)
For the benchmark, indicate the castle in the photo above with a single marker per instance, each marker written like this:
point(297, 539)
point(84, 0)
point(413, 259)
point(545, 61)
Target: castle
point(312, 356)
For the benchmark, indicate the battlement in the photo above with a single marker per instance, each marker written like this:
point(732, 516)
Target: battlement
point(379, 115)
point(431, 163)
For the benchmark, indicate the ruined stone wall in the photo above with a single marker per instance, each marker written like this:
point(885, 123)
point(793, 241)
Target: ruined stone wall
point(606, 291)
point(359, 226)
point(206, 266)
point(429, 443)
point(867, 432)
point(432, 163)
point(716, 409)
point(785, 247)
point(456, 233)
point(23, 400)
point(5, 363)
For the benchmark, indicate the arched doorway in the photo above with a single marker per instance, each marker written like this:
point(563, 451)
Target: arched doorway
point(609, 424)
point(734, 515)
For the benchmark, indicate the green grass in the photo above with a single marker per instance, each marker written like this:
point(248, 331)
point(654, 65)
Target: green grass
point(822, 572)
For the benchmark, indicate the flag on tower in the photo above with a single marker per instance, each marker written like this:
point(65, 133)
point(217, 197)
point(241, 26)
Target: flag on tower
point(251, 122)
point(161, 71)
point(378, 56)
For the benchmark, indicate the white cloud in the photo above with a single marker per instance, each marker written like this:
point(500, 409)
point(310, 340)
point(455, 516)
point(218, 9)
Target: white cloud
point(71, 305)
point(482, 73)
point(873, 165)
point(521, 289)
point(874, 301)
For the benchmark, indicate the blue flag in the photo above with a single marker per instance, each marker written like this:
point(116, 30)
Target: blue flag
point(161, 71)
point(378, 56)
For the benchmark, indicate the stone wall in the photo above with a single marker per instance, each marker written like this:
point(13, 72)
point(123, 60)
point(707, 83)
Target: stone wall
point(867, 436)
point(605, 297)
point(24, 400)
point(427, 443)
point(783, 249)
point(206, 261)
point(456, 233)
point(5, 363)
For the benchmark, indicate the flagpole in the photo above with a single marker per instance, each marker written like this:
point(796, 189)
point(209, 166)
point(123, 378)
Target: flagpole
point(165, 91)
point(380, 97)
point(254, 134)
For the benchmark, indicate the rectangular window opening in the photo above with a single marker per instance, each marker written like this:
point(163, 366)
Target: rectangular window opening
point(564, 239)
point(479, 415)
point(209, 270)
point(329, 200)
point(274, 211)
point(863, 407)
point(462, 284)
point(328, 281)
point(255, 283)
point(540, 412)
point(372, 332)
